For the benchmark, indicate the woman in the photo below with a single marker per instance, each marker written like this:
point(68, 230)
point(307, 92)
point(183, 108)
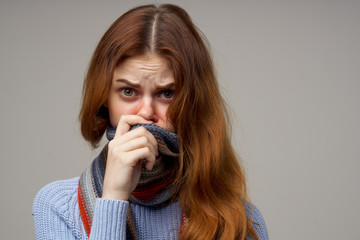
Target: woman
point(169, 170)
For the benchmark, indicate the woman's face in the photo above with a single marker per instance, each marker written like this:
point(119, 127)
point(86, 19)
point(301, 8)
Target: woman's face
point(143, 86)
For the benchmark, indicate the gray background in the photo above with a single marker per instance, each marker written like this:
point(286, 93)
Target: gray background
point(288, 69)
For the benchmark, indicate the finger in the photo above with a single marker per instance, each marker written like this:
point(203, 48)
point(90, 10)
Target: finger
point(135, 134)
point(126, 121)
point(150, 164)
point(139, 142)
point(143, 153)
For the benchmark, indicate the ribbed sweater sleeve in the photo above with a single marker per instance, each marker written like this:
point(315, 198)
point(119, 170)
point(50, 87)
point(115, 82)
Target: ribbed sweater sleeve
point(109, 220)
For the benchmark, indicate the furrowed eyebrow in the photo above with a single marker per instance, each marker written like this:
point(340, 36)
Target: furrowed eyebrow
point(134, 85)
point(167, 86)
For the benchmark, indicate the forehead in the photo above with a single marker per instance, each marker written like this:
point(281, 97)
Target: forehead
point(144, 67)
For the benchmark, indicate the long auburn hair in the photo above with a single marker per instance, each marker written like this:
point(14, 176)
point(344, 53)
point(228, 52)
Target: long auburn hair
point(210, 182)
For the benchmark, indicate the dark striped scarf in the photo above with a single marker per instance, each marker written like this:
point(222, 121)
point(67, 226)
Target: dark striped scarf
point(153, 189)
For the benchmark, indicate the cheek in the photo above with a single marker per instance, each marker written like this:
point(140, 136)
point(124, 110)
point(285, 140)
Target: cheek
point(162, 110)
point(164, 120)
point(117, 109)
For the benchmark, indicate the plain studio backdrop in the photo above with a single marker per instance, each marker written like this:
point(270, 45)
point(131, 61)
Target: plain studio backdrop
point(289, 71)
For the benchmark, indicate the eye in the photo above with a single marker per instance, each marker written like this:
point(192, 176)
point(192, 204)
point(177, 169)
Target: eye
point(128, 92)
point(167, 94)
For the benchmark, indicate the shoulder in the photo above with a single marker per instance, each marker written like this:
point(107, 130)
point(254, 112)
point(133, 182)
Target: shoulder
point(254, 214)
point(56, 207)
point(56, 192)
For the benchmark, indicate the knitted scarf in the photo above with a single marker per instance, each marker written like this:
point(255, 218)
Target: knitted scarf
point(153, 189)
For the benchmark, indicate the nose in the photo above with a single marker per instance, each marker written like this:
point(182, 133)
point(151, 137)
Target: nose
point(147, 109)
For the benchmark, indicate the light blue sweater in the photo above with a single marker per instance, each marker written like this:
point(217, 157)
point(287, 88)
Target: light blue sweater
point(56, 216)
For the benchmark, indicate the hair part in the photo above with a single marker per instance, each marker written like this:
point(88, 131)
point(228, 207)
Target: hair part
point(209, 182)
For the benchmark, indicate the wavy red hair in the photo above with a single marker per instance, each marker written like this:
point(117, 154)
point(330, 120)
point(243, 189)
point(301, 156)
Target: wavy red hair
point(210, 182)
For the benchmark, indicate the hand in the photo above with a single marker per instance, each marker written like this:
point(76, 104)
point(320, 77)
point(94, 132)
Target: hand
point(126, 152)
